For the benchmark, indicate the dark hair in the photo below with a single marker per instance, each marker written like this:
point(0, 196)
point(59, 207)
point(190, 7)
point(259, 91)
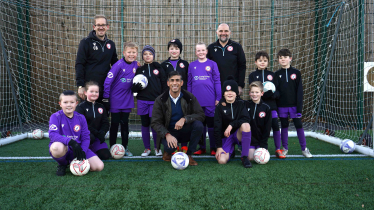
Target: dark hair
point(68, 93)
point(284, 52)
point(91, 83)
point(261, 54)
point(100, 16)
point(174, 73)
point(172, 45)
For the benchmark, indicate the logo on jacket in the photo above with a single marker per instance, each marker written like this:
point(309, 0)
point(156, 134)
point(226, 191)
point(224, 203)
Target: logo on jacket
point(293, 76)
point(270, 77)
point(181, 65)
point(228, 87)
point(257, 77)
point(110, 75)
point(262, 114)
point(94, 46)
point(155, 72)
point(207, 68)
point(167, 66)
point(123, 80)
point(224, 111)
point(77, 128)
point(100, 110)
point(108, 46)
point(230, 48)
point(53, 127)
point(134, 70)
point(87, 110)
point(215, 50)
point(249, 109)
point(280, 76)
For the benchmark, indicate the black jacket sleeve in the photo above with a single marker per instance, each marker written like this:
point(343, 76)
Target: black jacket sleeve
point(80, 63)
point(299, 93)
point(115, 56)
point(241, 66)
point(218, 126)
point(163, 78)
point(104, 122)
point(276, 84)
point(263, 142)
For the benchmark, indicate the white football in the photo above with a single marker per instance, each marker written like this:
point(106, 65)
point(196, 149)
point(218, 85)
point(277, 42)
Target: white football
point(269, 86)
point(142, 79)
point(37, 134)
point(117, 151)
point(347, 146)
point(261, 156)
point(79, 167)
point(180, 160)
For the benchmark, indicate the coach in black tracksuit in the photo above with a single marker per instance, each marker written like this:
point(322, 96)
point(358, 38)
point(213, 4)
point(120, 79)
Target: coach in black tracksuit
point(181, 67)
point(229, 56)
point(96, 54)
point(261, 118)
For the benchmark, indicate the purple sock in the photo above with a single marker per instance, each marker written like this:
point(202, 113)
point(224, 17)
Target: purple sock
point(284, 137)
point(246, 143)
point(212, 140)
point(62, 160)
point(277, 139)
point(146, 137)
point(301, 136)
point(203, 146)
point(154, 134)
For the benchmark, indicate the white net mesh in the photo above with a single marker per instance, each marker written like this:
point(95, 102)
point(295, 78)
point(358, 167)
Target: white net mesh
point(41, 40)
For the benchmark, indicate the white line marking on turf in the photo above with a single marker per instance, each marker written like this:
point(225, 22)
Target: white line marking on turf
point(195, 156)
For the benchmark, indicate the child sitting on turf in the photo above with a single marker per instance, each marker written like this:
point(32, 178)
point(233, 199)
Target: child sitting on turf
point(146, 97)
point(261, 117)
point(69, 136)
point(117, 89)
point(97, 120)
point(231, 125)
point(290, 102)
point(263, 75)
point(205, 84)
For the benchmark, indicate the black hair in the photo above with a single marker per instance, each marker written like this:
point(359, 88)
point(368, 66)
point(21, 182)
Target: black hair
point(261, 54)
point(284, 52)
point(68, 93)
point(174, 73)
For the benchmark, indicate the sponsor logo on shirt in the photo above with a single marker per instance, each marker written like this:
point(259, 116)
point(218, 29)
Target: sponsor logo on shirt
point(100, 110)
point(181, 65)
point(72, 137)
point(53, 127)
point(293, 76)
point(155, 72)
point(123, 80)
point(77, 128)
point(110, 75)
point(230, 48)
point(207, 68)
point(270, 77)
point(201, 77)
point(262, 114)
point(228, 87)
point(108, 46)
point(196, 77)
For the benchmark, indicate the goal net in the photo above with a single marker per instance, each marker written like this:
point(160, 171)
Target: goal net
point(41, 40)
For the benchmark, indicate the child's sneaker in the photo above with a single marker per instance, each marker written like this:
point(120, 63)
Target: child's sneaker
point(128, 153)
point(307, 153)
point(146, 153)
point(212, 152)
point(184, 149)
point(279, 154)
point(285, 151)
point(158, 152)
point(246, 163)
point(177, 150)
point(61, 170)
point(200, 152)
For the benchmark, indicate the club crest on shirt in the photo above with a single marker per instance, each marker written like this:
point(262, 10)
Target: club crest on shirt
point(110, 75)
point(77, 128)
point(228, 87)
point(181, 65)
point(293, 76)
point(270, 77)
point(108, 46)
point(230, 48)
point(262, 114)
point(196, 77)
point(53, 127)
point(100, 110)
point(207, 68)
point(155, 72)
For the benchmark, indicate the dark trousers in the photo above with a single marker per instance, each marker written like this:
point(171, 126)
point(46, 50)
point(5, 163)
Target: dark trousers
point(189, 133)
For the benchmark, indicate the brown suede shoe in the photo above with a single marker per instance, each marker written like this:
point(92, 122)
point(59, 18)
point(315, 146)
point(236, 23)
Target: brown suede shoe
point(166, 157)
point(192, 161)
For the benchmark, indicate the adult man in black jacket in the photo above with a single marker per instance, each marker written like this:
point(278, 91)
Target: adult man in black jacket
point(177, 117)
point(96, 54)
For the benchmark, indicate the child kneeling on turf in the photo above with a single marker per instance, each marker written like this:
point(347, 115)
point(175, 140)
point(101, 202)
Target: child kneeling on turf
point(261, 118)
point(69, 136)
point(97, 120)
point(231, 125)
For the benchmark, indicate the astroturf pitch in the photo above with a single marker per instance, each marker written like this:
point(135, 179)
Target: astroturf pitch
point(330, 180)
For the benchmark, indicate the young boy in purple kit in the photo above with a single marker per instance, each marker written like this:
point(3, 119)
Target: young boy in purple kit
point(146, 97)
point(263, 75)
point(69, 136)
point(117, 90)
point(231, 125)
point(290, 102)
point(205, 84)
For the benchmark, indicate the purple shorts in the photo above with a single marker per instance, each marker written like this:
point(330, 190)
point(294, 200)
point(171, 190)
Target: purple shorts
point(285, 111)
point(120, 110)
point(209, 110)
point(97, 145)
point(274, 114)
point(70, 154)
point(228, 143)
point(254, 147)
point(145, 107)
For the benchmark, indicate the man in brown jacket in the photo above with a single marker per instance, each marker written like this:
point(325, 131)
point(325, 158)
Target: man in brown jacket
point(177, 117)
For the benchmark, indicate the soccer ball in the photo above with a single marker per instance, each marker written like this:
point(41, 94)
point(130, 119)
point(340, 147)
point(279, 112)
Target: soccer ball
point(79, 167)
point(37, 134)
point(261, 156)
point(117, 151)
point(269, 86)
point(142, 79)
point(180, 160)
point(347, 146)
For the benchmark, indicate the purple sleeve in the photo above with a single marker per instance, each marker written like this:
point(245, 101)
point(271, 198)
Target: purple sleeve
point(189, 80)
point(109, 80)
point(217, 81)
point(54, 134)
point(85, 135)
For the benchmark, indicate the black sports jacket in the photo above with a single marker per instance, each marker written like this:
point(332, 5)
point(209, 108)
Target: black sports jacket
point(182, 68)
